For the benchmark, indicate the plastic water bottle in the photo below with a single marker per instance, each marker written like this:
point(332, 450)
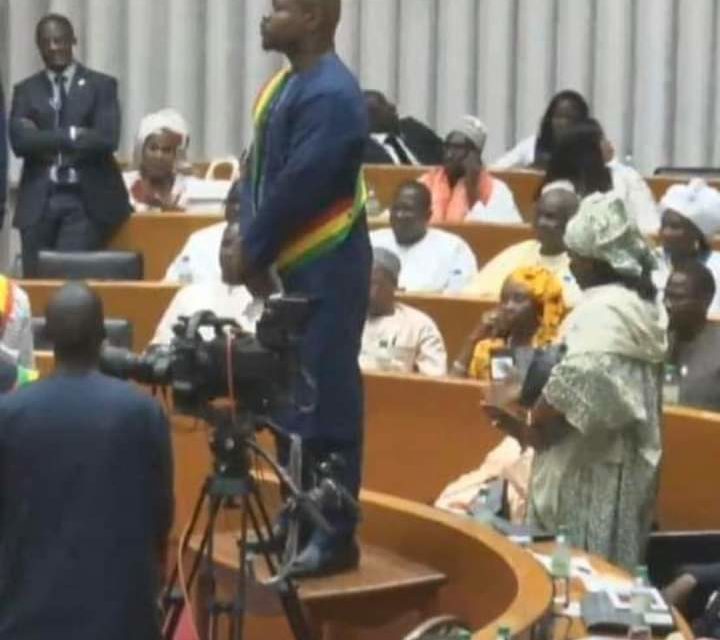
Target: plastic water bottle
point(373, 208)
point(640, 599)
point(671, 385)
point(560, 566)
point(480, 509)
point(560, 561)
point(185, 274)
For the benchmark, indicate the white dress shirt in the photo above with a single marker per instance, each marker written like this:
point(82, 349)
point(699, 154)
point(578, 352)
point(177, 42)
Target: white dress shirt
point(221, 299)
point(522, 155)
point(637, 196)
point(381, 139)
point(202, 250)
point(441, 262)
point(408, 341)
point(68, 75)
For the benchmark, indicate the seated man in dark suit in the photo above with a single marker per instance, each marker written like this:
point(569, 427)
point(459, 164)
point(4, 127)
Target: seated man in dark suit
point(395, 140)
point(3, 156)
point(86, 493)
point(65, 125)
point(694, 342)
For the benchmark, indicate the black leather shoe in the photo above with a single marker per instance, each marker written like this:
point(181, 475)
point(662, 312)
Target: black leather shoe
point(325, 560)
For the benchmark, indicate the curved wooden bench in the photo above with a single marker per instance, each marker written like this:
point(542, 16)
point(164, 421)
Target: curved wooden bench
point(460, 568)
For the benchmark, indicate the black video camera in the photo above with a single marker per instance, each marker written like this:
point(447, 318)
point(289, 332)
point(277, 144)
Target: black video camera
point(212, 357)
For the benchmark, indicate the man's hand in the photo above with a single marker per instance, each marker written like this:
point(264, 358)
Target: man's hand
point(260, 283)
point(507, 422)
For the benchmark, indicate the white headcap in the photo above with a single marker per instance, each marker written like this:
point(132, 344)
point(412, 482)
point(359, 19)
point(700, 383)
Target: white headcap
point(164, 120)
point(559, 185)
point(474, 129)
point(698, 203)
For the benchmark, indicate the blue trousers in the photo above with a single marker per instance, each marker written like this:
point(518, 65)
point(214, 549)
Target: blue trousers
point(339, 284)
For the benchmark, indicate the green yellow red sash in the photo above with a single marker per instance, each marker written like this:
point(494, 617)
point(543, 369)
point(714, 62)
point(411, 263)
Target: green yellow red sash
point(331, 227)
point(6, 301)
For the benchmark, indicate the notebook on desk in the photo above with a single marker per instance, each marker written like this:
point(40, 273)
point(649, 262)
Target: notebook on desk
point(602, 614)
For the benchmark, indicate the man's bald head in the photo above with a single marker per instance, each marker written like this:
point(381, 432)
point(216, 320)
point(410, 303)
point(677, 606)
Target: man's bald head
point(329, 10)
point(75, 322)
point(301, 27)
point(553, 210)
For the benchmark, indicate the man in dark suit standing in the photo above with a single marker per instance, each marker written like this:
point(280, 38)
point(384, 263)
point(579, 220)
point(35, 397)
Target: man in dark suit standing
point(3, 156)
point(395, 140)
point(65, 124)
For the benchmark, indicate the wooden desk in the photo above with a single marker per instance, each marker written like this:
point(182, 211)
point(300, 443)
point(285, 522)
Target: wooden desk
point(422, 433)
point(606, 570)
point(660, 184)
point(142, 303)
point(159, 237)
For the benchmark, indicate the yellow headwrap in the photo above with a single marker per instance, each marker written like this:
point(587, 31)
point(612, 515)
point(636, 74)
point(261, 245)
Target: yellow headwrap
point(547, 291)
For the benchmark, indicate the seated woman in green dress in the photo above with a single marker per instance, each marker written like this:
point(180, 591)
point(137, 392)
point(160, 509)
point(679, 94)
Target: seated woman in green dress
point(596, 428)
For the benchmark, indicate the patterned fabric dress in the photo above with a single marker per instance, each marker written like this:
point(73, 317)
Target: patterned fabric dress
point(601, 479)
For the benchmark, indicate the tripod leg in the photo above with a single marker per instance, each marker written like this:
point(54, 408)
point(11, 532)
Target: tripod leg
point(175, 609)
point(191, 527)
point(286, 589)
point(240, 604)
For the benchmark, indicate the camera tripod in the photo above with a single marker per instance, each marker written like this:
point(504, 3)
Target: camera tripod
point(232, 486)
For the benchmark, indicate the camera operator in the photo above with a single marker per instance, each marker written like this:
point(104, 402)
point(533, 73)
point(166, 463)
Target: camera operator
point(303, 217)
point(86, 493)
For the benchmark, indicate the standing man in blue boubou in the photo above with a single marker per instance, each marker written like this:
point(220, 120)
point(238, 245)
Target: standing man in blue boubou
point(303, 210)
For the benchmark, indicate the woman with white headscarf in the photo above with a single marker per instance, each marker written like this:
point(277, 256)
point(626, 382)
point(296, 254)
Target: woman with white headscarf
point(158, 184)
point(690, 221)
point(596, 427)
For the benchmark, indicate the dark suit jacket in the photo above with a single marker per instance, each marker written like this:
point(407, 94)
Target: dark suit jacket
point(93, 105)
point(425, 144)
point(3, 155)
